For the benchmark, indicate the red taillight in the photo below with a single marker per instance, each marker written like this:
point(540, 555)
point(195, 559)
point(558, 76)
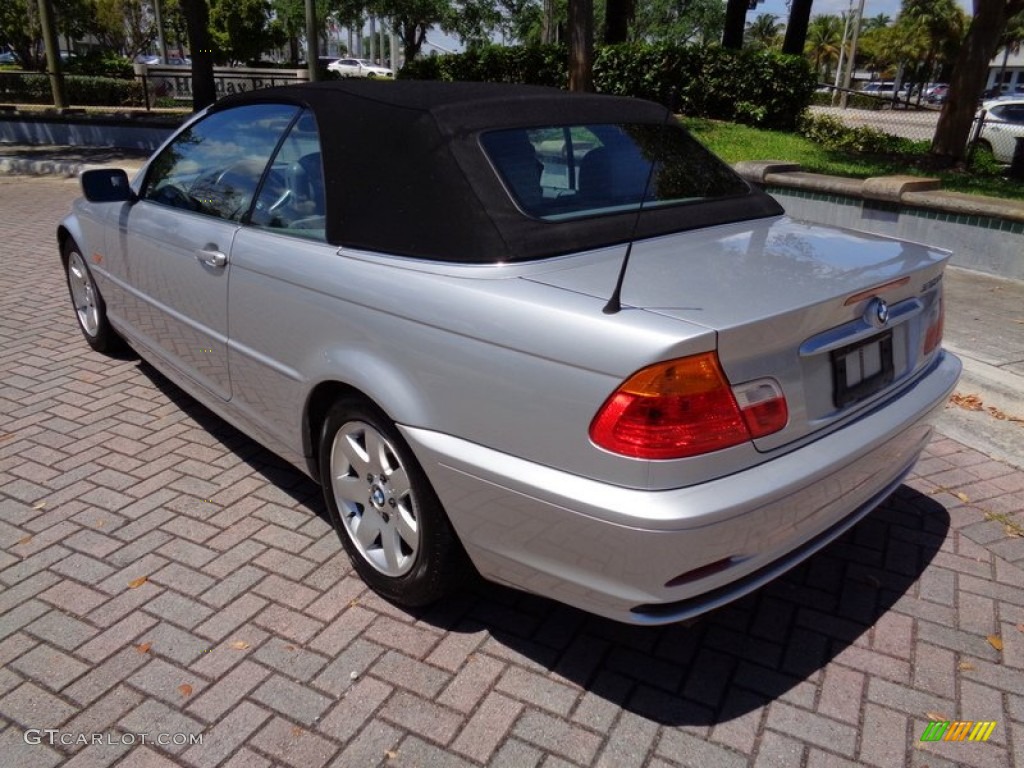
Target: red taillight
point(933, 336)
point(682, 408)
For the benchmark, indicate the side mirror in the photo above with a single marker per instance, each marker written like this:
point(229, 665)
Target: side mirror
point(107, 185)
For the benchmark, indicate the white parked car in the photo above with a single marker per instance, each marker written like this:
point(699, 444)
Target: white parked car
point(1004, 123)
point(359, 68)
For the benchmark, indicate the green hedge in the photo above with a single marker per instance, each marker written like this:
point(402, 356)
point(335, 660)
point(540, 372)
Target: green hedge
point(536, 65)
point(82, 90)
point(832, 134)
point(754, 87)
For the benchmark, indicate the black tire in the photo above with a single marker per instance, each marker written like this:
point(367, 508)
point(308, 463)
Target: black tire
point(90, 309)
point(385, 497)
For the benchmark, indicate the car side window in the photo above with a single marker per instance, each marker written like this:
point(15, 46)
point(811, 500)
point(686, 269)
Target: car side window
point(215, 165)
point(572, 171)
point(298, 207)
point(1013, 113)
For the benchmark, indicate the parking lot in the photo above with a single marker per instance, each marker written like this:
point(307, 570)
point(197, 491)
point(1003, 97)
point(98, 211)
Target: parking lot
point(171, 594)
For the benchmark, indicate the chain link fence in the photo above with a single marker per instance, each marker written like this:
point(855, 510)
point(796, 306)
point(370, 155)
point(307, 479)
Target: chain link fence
point(906, 114)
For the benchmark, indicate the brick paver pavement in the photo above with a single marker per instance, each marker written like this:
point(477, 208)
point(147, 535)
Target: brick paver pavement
point(161, 576)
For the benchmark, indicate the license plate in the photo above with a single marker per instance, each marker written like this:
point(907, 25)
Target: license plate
point(861, 369)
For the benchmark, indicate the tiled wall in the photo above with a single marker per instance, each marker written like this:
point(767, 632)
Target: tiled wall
point(984, 243)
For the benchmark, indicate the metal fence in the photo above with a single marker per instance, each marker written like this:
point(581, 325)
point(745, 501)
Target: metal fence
point(907, 114)
point(143, 88)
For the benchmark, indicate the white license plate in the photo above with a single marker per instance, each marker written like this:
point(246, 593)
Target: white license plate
point(860, 370)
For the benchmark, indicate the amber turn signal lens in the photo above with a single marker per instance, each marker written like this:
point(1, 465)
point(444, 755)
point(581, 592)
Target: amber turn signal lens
point(933, 336)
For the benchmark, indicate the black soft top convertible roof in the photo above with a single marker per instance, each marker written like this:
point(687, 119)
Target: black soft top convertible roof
point(405, 173)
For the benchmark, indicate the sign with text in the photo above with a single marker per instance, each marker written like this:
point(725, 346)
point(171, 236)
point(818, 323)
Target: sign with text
point(176, 81)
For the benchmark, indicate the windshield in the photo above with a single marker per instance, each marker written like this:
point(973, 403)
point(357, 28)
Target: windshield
point(566, 172)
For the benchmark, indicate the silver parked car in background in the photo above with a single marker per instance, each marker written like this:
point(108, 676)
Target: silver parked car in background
point(542, 334)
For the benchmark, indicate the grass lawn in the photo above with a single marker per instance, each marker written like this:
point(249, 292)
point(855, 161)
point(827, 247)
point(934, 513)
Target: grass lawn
point(734, 142)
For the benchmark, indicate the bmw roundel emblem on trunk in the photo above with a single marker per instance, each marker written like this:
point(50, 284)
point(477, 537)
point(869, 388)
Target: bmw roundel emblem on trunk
point(877, 313)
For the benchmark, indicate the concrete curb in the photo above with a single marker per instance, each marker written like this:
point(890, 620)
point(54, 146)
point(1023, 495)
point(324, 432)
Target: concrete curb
point(13, 165)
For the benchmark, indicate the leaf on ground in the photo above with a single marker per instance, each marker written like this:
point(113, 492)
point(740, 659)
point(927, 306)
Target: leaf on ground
point(25, 539)
point(8, 436)
point(966, 666)
point(1013, 532)
point(967, 402)
point(391, 754)
point(296, 731)
point(240, 645)
point(136, 583)
point(935, 716)
point(962, 496)
point(39, 505)
point(143, 647)
point(996, 642)
point(185, 690)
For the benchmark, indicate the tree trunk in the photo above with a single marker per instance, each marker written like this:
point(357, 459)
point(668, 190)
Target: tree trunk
point(548, 29)
point(581, 45)
point(618, 15)
point(735, 21)
point(197, 19)
point(796, 29)
point(412, 35)
point(969, 75)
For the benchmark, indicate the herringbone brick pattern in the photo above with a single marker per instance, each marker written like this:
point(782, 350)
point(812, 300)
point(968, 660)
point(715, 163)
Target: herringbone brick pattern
point(162, 575)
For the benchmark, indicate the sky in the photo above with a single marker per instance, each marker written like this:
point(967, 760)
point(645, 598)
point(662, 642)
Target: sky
point(778, 8)
point(823, 7)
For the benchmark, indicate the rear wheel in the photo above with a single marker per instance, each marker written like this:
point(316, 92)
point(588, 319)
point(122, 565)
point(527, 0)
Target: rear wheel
point(388, 517)
point(90, 310)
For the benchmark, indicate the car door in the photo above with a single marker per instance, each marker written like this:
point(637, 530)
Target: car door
point(1009, 124)
point(281, 259)
point(178, 236)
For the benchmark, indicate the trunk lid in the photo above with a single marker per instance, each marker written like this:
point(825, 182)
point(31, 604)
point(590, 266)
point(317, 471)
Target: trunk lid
point(796, 302)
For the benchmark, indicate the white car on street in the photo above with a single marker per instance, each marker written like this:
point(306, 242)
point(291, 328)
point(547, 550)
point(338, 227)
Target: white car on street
point(359, 68)
point(1003, 125)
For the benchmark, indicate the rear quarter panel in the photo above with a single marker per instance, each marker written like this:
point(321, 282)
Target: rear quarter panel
point(474, 352)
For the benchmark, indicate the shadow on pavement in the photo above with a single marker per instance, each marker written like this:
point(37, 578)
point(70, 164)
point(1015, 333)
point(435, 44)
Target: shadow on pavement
point(769, 645)
point(737, 659)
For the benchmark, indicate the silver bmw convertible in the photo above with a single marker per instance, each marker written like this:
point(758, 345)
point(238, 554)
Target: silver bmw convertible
point(542, 336)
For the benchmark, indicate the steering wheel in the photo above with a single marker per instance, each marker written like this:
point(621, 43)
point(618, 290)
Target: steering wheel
point(240, 180)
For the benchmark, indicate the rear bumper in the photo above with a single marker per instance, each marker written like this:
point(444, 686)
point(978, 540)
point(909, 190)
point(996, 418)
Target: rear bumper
point(613, 551)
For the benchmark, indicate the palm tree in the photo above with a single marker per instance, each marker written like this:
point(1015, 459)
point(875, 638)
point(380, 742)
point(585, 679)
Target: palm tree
point(824, 41)
point(763, 32)
point(1011, 42)
point(936, 27)
point(881, 21)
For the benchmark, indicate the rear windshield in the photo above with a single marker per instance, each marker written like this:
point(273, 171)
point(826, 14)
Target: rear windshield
point(567, 172)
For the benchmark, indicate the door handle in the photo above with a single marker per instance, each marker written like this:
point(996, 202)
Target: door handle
point(211, 257)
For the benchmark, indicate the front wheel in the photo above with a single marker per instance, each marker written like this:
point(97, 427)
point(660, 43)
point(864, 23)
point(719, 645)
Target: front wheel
point(388, 517)
point(90, 310)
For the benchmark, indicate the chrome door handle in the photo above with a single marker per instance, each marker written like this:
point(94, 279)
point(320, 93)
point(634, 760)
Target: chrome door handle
point(212, 257)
